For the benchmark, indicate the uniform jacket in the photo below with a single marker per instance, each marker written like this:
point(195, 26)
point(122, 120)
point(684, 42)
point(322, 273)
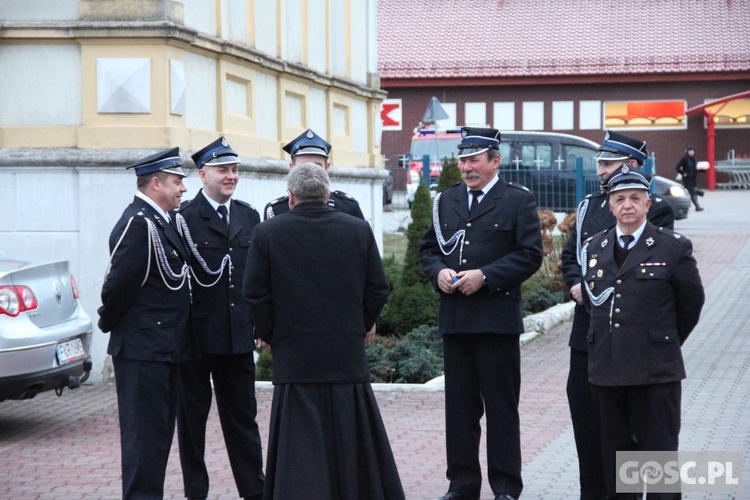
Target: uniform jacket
point(338, 200)
point(221, 316)
point(503, 239)
point(653, 302)
point(594, 216)
point(147, 321)
point(316, 285)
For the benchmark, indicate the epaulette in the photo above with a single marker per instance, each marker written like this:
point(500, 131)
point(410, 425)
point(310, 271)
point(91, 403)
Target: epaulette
point(518, 186)
point(245, 204)
point(453, 186)
point(278, 200)
point(343, 195)
point(185, 204)
point(674, 234)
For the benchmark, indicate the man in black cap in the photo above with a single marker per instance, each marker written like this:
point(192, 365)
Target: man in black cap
point(618, 153)
point(310, 147)
point(145, 306)
point(484, 242)
point(218, 230)
point(644, 293)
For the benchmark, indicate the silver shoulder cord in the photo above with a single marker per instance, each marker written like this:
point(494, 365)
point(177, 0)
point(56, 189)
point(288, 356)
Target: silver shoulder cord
point(155, 241)
point(182, 227)
point(455, 240)
point(582, 208)
point(596, 300)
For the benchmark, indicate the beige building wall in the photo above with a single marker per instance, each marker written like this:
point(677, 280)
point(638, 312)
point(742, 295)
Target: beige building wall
point(90, 86)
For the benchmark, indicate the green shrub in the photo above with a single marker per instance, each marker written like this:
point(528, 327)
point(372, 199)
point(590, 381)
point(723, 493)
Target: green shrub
point(264, 365)
point(415, 358)
point(413, 300)
point(450, 174)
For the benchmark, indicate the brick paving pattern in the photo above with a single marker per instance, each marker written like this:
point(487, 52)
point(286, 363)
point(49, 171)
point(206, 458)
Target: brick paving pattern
point(59, 448)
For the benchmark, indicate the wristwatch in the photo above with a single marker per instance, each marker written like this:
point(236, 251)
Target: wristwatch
point(484, 280)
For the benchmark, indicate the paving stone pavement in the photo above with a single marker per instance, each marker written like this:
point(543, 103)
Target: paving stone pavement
point(68, 447)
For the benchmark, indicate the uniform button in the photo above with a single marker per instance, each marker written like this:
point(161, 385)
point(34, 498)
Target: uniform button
point(467, 242)
point(617, 310)
point(231, 305)
point(666, 337)
point(158, 322)
point(463, 261)
point(619, 282)
point(618, 296)
point(617, 325)
point(468, 224)
point(232, 286)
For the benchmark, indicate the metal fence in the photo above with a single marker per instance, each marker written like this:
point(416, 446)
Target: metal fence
point(557, 189)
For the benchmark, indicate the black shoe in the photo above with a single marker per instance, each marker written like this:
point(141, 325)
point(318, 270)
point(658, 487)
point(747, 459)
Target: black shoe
point(452, 495)
point(698, 209)
point(504, 496)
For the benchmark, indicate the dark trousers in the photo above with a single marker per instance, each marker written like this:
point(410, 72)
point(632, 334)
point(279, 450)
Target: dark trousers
point(234, 384)
point(691, 184)
point(586, 427)
point(650, 412)
point(146, 400)
point(482, 373)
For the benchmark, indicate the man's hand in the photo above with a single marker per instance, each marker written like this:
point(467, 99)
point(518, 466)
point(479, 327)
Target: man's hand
point(469, 282)
point(260, 344)
point(445, 280)
point(575, 292)
point(369, 336)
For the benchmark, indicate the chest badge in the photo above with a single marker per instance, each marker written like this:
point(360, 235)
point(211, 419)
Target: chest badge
point(649, 242)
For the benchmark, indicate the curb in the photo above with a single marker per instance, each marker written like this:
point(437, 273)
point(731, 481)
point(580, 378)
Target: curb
point(535, 325)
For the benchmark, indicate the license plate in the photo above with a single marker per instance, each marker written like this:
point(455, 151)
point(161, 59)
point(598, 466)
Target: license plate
point(70, 351)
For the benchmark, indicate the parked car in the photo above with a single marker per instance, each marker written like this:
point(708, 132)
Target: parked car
point(673, 193)
point(388, 189)
point(544, 162)
point(45, 335)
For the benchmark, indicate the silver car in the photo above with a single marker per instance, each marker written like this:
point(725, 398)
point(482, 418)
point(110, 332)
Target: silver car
point(45, 336)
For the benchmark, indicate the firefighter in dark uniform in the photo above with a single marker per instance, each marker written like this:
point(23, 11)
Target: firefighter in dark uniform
point(145, 307)
point(644, 293)
point(484, 242)
point(218, 230)
point(616, 152)
point(309, 147)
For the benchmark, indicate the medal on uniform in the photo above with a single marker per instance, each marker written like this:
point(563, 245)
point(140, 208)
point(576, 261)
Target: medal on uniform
point(591, 285)
point(599, 273)
point(592, 262)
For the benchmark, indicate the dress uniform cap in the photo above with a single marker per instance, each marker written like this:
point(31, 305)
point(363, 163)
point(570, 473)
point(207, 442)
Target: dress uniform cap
point(308, 143)
point(217, 153)
point(477, 140)
point(164, 161)
point(617, 146)
point(627, 178)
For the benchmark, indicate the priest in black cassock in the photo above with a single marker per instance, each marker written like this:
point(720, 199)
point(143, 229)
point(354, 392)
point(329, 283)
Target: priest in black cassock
point(316, 284)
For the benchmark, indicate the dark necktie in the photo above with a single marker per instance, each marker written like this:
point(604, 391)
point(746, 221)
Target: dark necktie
point(223, 212)
point(626, 239)
point(474, 199)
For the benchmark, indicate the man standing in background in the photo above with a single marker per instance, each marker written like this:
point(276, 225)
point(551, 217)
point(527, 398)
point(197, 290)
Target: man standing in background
point(309, 147)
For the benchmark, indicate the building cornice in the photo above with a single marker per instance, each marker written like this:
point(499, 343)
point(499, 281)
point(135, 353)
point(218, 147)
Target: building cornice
point(113, 32)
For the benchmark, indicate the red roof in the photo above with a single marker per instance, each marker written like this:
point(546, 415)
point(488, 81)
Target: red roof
point(530, 38)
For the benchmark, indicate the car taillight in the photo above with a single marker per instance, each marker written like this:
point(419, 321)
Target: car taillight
point(74, 287)
point(16, 299)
